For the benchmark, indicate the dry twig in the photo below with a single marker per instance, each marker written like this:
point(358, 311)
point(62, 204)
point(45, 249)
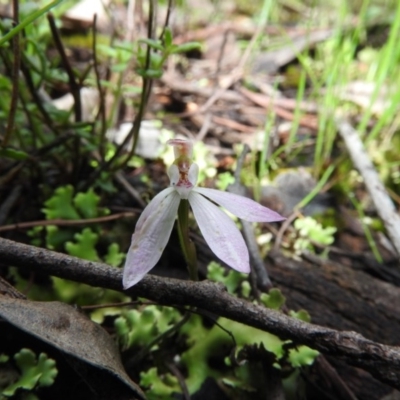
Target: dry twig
point(383, 204)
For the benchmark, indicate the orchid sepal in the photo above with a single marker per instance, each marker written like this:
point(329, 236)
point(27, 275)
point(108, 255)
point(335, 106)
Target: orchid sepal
point(151, 236)
point(220, 233)
point(240, 206)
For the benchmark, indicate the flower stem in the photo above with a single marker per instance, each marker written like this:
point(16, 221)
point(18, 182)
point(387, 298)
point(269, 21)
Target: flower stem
point(188, 248)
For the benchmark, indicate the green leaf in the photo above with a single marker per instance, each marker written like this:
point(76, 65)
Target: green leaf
point(224, 180)
point(85, 246)
point(206, 344)
point(231, 280)
point(55, 237)
point(136, 328)
point(310, 229)
point(184, 48)
point(14, 154)
point(60, 205)
point(302, 356)
point(41, 372)
point(28, 21)
point(168, 37)
point(107, 50)
point(48, 368)
point(274, 299)
point(87, 203)
point(114, 257)
point(150, 73)
point(302, 315)
point(155, 44)
point(246, 289)
point(120, 67)
point(160, 386)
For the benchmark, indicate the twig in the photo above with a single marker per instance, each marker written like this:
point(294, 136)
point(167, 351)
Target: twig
point(167, 19)
point(285, 225)
point(9, 202)
point(65, 222)
point(181, 380)
point(383, 204)
point(6, 289)
point(135, 130)
point(102, 105)
point(139, 356)
point(204, 128)
point(121, 304)
point(75, 89)
point(188, 87)
point(25, 68)
point(309, 121)
point(15, 79)
point(233, 125)
point(263, 280)
point(147, 84)
point(119, 177)
point(382, 361)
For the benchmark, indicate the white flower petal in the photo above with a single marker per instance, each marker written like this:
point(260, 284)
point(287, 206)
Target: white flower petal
point(173, 174)
point(240, 206)
point(220, 233)
point(151, 236)
point(152, 207)
point(193, 174)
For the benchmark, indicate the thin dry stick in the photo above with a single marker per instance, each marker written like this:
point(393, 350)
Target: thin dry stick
point(133, 134)
point(8, 203)
point(40, 104)
point(257, 264)
point(64, 222)
point(102, 103)
point(167, 19)
point(120, 178)
point(382, 361)
point(285, 225)
point(181, 380)
point(15, 79)
point(75, 89)
point(382, 201)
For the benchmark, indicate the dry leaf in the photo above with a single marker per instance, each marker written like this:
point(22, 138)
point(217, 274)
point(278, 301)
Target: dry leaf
point(68, 330)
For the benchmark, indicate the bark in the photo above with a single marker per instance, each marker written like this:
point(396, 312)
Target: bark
point(343, 298)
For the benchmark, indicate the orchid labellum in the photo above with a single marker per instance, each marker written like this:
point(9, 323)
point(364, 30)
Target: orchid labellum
point(154, 226)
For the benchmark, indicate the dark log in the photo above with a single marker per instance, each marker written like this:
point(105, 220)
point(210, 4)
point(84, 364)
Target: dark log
point(343, 298)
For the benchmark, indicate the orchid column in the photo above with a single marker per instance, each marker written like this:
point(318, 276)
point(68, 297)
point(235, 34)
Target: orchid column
point(154, 226)
point(183, 175)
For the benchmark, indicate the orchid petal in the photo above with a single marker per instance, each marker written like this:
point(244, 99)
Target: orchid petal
point(173, 174)
point(220, 233)
point(151, 235)
point(152, 207)
point(193, 174)
point(240, 206)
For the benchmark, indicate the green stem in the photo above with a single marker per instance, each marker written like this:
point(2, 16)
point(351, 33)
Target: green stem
point(189, 251)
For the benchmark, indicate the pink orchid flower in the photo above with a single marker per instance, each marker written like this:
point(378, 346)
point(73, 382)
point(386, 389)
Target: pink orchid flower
point(155, 224)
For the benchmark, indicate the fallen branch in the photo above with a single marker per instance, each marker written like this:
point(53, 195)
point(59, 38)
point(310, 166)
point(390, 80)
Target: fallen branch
point(382, 201)
point(382, 361)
